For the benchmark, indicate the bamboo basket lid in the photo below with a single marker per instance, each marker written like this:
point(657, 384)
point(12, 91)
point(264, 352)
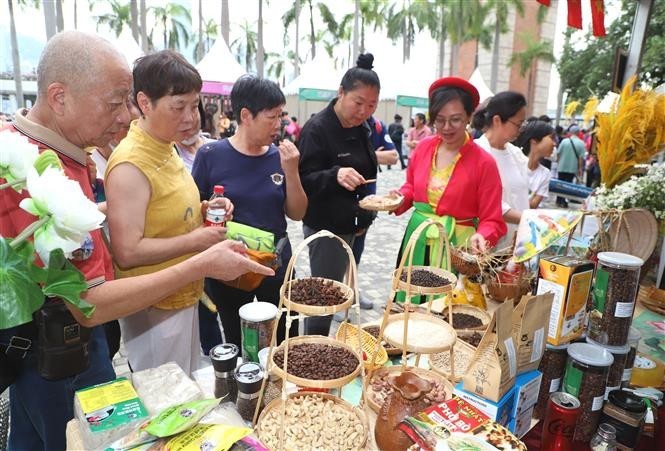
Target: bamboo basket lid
point(313, 383)
point(347, 333)
point(440, 362)
point(375, 401)
point(440, 306)
point(390, 350)
point(426, 334)
point(378, 202)
point(412, 289)
point(315, 310)
point(278, 404)
point(634, 232)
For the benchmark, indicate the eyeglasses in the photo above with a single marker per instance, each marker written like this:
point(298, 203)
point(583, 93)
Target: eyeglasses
point(519, 125)
point(454, 122)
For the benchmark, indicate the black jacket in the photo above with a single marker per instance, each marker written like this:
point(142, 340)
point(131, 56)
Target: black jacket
point(325, 147)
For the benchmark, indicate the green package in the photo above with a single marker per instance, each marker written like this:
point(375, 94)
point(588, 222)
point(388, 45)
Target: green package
point(182, 417)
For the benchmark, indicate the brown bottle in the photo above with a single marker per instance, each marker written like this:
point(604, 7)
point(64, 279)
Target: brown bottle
point(407, 399)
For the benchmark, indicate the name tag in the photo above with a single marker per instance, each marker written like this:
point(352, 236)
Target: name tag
point(342, 155)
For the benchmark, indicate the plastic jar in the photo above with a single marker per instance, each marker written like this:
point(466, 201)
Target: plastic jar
point(585, 378)
point(552, 366)
point(614, 294)
point(249, 377)
point(625, 411)
point(634, 338)
point(224, 358)
point(615, 376)
point(257, 320)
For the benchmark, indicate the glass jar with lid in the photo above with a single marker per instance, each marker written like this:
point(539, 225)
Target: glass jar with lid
point(604, 439)
point(625, 411)
point(634, 337)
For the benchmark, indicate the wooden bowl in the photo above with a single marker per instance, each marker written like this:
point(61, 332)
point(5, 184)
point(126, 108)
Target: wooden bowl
point(436, 335)
point(315, 310)
point(277, 404)
point(313, 383)
point(373, 397)
point(419, 290)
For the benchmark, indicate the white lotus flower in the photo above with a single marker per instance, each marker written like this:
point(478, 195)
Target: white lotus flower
point(17, 156)
point(71, 214)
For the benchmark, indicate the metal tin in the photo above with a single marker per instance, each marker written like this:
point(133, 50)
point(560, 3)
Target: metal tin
point(563, 410)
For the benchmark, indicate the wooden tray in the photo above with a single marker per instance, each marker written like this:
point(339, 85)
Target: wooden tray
point(368, 344)
point(301, 382)
point(422, 372)
point(389, 349)
point(315, 310)
point(394, 331)
point(413, 290)
point(277, 404)
point(462, 349)
point(378, 202)
point(440, 307)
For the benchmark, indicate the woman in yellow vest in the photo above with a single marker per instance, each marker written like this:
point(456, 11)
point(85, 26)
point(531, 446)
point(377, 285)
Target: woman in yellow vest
point(154, 212)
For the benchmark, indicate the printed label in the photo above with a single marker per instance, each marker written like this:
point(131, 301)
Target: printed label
point(600, 289)
point(597, 403)
point(537, 350)
point(624, 309)
point(609, 389)
point(512, 356)
point(545, 286)
point(250, 344)
point(572, 380)
point(626, 374)
point(555, 384)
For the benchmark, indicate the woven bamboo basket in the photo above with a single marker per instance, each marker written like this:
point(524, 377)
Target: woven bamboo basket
point(394, 333)
point(314, 310)
point(463, 334)
point(279, 404)
point(375, 400)
point(440, 307)
point(377, 202)
point(502, 292)
point(440, 362)
point(390, 350)
point(464, 263)
point(348, 334)
point(402, 285)
point(327, 383)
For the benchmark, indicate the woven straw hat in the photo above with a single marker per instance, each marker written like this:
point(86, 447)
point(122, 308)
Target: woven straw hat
point(634, 233)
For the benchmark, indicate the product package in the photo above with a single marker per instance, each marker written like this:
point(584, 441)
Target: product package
point(521, 424)
point(165, 386)
point(493, 368)
point(457, 425)
point(108, 412)
point(500, 412)
point(526, 389)
point(569, 280)
point(208, 437)
point(177, 419)
point(530, 323)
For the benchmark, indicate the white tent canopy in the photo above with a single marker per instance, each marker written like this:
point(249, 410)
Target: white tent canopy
point(477, 80)
point(219, 65)
point(316, 74)
point(128, 47)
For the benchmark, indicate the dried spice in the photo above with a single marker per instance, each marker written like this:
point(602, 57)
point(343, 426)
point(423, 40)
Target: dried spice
point(614, 293)
point(425, 278)
point(463, 320)
point(552, 365)
point(318, 361)
point(316, 292)
point(473, 339)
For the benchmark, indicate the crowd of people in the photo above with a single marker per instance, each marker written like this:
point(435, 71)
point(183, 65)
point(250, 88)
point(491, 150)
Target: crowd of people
point(134, 142)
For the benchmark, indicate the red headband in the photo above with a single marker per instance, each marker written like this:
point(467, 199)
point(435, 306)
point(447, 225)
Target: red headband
point(456, 82)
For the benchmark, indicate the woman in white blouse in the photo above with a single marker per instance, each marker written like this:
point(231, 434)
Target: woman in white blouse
point(537, 141)
point(504, 116)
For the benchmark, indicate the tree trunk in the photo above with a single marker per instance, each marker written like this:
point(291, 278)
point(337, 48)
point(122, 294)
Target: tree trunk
point(225, 21)
point(362, 35)
point(199, 52)
point(259, 48)
point(166, 42)
point(312, 38)
point(134, 19)
point(76, 15)
point(59, 17)
point(494, 76)
point(442, 41)
point(20, 103)
point(297, 50)
point(49, 18)
point(144, 29)
point(454, 59)
point(356, 30)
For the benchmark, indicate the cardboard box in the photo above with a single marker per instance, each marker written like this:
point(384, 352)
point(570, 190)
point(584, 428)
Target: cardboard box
point(521, 424)
point(569, 279)
point(500, 412)
point(527, 387)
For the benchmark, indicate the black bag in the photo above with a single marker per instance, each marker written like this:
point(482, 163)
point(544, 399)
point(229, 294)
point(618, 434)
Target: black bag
point(62, 349)
point(15, 344)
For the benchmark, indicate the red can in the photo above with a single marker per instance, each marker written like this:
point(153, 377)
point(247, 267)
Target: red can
point(563, 410)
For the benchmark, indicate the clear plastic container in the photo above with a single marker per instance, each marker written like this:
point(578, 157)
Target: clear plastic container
point(614, 294)
point(552, 366)
point(615, 375)
point(586, 378)
point(604, 439)
point(634, 338)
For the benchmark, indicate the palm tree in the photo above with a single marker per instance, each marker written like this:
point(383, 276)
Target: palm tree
point(175, 22)
point(59, 17)
point(117, 19)
point(259, 37)
point(526, 60)
point(245, 45)
point(500, 10)
point(143, 29)
point(20, 102)
point(292, 15)
point(210, 31)
point(134, 22)
point(371, 13)
point(225, 21)
point(466, 23)
point(198, 50)
point(405, 21)
point(276, 66)
point(49, 18)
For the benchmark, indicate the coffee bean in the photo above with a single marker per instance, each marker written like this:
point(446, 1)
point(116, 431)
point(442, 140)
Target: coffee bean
point(425, 278)
point(463, 320)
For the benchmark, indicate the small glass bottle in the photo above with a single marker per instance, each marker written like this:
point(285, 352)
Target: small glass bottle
point(605, 438)
point(249, 377)
point(224, 358)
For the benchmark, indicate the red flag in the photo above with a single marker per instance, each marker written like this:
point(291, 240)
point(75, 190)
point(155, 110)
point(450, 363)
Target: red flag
point(545, 2)
point(598, 17)
point(575, 13)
